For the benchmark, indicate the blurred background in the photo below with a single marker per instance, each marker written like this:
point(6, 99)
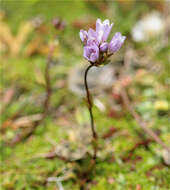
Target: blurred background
point(43, 112)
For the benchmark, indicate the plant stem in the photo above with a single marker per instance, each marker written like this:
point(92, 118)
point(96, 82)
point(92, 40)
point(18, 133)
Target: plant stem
point(90, 105)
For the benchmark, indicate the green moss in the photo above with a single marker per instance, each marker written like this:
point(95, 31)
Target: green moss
point(22, 166)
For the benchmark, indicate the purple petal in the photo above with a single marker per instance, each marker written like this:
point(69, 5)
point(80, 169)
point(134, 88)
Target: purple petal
point(91, 33)
point(92, 37)
point(83, 35)
point(94, 57)
point(106, 22)
point(91, 53)
point(87, 52)
point(103, 30)
point(107, 30)
point(104, 47)
point(98, 25)
point(116, 42)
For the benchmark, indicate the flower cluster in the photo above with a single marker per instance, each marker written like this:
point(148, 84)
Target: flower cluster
point(96, 47)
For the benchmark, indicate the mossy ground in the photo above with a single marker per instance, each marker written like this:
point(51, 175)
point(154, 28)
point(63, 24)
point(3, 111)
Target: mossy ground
point(22, 166)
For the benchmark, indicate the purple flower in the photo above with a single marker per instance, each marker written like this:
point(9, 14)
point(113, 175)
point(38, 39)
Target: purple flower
point(89, 37)
point(116, 42)
point(103, 30)
point(96, 48)
point(91, 53)
point(104, 47)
